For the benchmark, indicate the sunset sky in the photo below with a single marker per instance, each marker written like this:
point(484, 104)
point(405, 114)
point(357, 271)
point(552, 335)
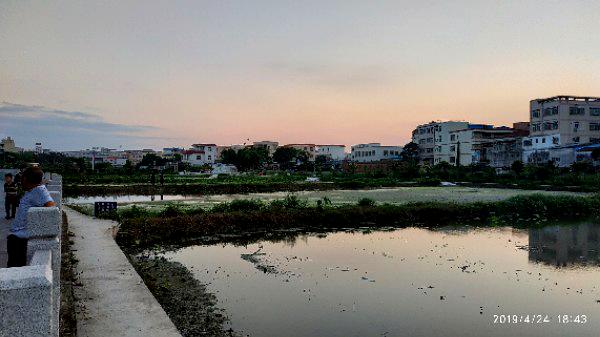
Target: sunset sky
point(74, 74)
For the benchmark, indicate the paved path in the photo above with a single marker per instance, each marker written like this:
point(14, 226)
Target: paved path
point(114, 301)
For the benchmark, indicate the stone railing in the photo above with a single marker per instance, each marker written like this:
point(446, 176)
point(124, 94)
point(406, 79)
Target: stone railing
point(30, 295)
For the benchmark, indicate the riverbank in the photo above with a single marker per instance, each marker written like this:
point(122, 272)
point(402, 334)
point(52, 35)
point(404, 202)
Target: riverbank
point(143, 230)
point(190, 306)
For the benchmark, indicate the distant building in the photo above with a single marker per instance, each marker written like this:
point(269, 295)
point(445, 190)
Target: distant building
point(170, 152)
point(200, 154)
point(332, 151)
point(433, 140)
point(8, 145)
point(470, 145)
point(38, 148)
point(373, 152)
point(98, 155)
point(269, 145)
point(311, 149)
point(558, 125)
point(221, 148)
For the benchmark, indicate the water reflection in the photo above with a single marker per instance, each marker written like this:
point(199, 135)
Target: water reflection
point(401, 282)
point(564, 246)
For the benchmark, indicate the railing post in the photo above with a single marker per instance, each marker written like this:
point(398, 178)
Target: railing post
point(44, 229)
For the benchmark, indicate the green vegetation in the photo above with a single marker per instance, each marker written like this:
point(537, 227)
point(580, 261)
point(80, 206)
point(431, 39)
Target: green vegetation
point(242, 217)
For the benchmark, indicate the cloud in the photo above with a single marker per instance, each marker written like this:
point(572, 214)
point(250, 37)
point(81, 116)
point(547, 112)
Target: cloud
point(43, 116)
point(62, 129)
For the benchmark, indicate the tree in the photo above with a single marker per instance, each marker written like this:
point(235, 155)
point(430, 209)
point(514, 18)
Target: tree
point(288, 157)
point(229, 156)
point(151, 160)
point(517, 167)
point(250, 158)
point(596, 154)
point(410, 152)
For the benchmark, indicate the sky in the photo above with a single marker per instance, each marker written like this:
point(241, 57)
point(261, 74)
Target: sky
point(132, 74)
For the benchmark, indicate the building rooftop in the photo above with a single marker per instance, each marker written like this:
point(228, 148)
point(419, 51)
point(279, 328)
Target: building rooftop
point(567, 98)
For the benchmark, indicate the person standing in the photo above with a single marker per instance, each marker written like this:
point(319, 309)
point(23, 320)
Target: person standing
point(11, 198)
point(36, 195)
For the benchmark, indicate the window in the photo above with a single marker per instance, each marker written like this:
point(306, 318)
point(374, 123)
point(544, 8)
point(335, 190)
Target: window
point(544, 140)
point(209, 157)
point(385, 152)
point(555, 140)
point(453, 160)
point(429, 140)
point(527, 142)
point(575, 126)
point(575, 110)
point(535, 113)
point(594, 140)
point(575, 139)
point(594, 111)
point(551, 111)
point(452, 138)
point(198, 157)
point(453, 148)
point(594, 126)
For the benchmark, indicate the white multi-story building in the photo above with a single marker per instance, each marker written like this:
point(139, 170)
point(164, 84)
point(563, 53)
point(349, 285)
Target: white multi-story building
point(98, 155)
point(433, 140)
point(332, 151)
point(373, 152)
point(200, 154)
point(470, 145)
point(558, 124)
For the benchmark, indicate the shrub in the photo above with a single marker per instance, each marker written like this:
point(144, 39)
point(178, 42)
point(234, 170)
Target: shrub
point(172, 210)
point(289, 202)
point(366, 202)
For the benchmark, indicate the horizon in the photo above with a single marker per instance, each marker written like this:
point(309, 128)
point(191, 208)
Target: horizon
point(153, 75)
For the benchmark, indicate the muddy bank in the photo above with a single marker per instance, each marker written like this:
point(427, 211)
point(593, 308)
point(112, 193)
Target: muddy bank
point(192, 309)
point(68, 302)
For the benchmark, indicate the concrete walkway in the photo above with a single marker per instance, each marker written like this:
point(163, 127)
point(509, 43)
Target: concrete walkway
point(113, 299)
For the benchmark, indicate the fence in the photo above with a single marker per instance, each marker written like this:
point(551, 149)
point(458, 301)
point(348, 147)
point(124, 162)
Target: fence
point(30, 295)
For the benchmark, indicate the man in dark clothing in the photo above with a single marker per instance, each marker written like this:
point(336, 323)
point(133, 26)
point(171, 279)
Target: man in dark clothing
point(162, 179)
point(11, 198)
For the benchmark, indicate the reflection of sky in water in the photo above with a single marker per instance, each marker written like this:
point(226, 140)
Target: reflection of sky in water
point(408, 282)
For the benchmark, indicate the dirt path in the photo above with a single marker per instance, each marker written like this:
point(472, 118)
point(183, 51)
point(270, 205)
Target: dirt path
point(113, 300)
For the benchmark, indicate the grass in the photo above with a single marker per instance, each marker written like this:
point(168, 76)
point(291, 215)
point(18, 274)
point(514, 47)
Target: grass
point(239, 217)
